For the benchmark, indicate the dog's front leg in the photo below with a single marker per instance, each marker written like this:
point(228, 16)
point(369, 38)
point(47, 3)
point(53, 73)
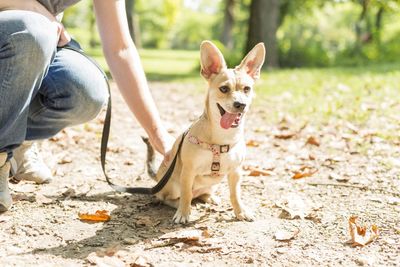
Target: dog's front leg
point(241, 211)
point(185, 200)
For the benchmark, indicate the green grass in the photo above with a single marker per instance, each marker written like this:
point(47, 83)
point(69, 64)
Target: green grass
point(165, 65)
point(353, 94)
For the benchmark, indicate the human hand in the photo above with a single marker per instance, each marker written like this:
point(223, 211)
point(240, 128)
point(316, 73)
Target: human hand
point(63, 36)
point(163, 142)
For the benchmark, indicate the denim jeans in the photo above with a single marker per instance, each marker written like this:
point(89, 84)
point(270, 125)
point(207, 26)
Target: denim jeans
point(43, 89)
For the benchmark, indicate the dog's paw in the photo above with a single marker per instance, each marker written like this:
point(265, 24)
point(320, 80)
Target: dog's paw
point(180, 217)
point(245, 215)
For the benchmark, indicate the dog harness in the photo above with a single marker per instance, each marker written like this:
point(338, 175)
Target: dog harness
point(216, 150)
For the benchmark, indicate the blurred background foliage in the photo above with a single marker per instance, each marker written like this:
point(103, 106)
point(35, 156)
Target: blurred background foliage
point(297, 33)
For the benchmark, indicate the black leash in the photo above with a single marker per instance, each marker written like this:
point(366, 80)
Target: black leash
point(105, 136)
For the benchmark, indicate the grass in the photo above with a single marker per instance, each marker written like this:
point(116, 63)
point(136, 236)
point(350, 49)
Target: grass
point(353, 94)
point(362, 95)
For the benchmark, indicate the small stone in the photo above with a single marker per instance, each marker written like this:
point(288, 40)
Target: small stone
point(130, 241)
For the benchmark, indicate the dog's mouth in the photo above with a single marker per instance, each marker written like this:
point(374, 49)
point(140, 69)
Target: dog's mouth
point(229, 120)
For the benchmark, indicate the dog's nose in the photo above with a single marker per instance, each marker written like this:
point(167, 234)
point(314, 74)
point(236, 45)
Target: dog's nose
point(239, 105)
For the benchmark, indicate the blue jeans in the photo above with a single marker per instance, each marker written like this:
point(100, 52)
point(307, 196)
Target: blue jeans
point(43, 89)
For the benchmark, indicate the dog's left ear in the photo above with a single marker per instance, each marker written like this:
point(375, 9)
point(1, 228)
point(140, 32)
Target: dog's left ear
point(212, 60)
point(253, 61)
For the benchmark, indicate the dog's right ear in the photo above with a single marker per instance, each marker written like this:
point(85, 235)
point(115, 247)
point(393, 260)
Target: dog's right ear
point(212, 60)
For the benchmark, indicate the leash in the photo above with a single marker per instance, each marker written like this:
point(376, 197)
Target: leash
point(73, 45)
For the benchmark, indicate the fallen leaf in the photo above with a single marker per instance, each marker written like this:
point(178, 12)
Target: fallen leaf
point(361, 235)
point(41, 199)
point(93, 258)
point(128, 162)
point(65, 160)
point(253, 143)
point(147, 221)
point(257, 171)
point(285, 135)
point(99, 216)
point(141, 262)
point(304, 171)
point(25, 188)
point(260, 172)
point(70, 192)
point(352, 127)
point(284, 235)
point(110, 251)
point(190, 237)
point(186, 235)
point(339, 178)
point(293, 206)
point(313, 141)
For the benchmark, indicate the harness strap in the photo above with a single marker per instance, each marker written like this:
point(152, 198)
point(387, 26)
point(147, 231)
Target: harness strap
point(215, 149)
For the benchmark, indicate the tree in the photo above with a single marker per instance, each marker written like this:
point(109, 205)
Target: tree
point(132, 22)
point(263, 25)
point(226, 36)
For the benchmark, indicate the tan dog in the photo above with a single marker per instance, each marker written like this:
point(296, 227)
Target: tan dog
point(214, 146)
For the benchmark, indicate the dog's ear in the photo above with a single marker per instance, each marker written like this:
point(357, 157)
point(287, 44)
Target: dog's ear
point(212, 60)
point(253, 61)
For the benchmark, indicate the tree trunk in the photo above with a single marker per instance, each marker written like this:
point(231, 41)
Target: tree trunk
point(226, 37)
point(378, 24)
point(132, 22)
point(92, 26)
point(263, 25)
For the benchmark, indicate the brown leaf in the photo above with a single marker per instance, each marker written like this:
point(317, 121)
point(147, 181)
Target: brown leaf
point(147, 221)
point(141, 262)
point(65, 160)
point(283, 235)
point(304, 171)
point(257, 171)
point(361, 235)
point(184, 236)
point(285, 135)
point(294, 206)
point(99, 216)
point(313, 141)
point(41, 199)
point(93, 258)
point(253, 143)
point(260, 172)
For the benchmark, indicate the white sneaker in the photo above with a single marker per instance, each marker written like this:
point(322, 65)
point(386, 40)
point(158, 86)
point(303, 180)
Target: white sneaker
point(5, 196)
point(27, 164)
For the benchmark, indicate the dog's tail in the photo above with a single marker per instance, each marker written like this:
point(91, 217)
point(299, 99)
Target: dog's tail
point(151, 159)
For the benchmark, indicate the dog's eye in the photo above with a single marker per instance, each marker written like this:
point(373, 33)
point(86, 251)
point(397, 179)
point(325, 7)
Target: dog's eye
point(224, 89)
point(246, 89)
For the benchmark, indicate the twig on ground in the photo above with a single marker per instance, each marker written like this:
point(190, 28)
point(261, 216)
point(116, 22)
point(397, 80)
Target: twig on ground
point(362, 187)
point(339, 184)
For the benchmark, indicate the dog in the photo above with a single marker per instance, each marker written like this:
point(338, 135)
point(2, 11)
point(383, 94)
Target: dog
point(214, 145)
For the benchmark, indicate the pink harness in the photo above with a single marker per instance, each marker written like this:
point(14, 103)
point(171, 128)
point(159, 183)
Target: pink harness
point(216, 150)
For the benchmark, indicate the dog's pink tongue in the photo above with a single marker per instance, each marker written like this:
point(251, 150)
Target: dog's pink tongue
point(228, 119)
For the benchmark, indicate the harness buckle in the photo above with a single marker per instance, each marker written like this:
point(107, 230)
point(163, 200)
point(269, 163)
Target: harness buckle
point(215, 166)
point(224, 148)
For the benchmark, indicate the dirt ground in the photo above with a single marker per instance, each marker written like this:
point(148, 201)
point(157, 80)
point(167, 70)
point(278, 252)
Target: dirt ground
point(345, 177)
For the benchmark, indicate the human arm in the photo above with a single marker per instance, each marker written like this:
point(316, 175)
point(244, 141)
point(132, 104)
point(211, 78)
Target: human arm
point(123, 59)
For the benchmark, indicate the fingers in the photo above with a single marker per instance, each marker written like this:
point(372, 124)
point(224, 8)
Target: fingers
point(63, 36)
